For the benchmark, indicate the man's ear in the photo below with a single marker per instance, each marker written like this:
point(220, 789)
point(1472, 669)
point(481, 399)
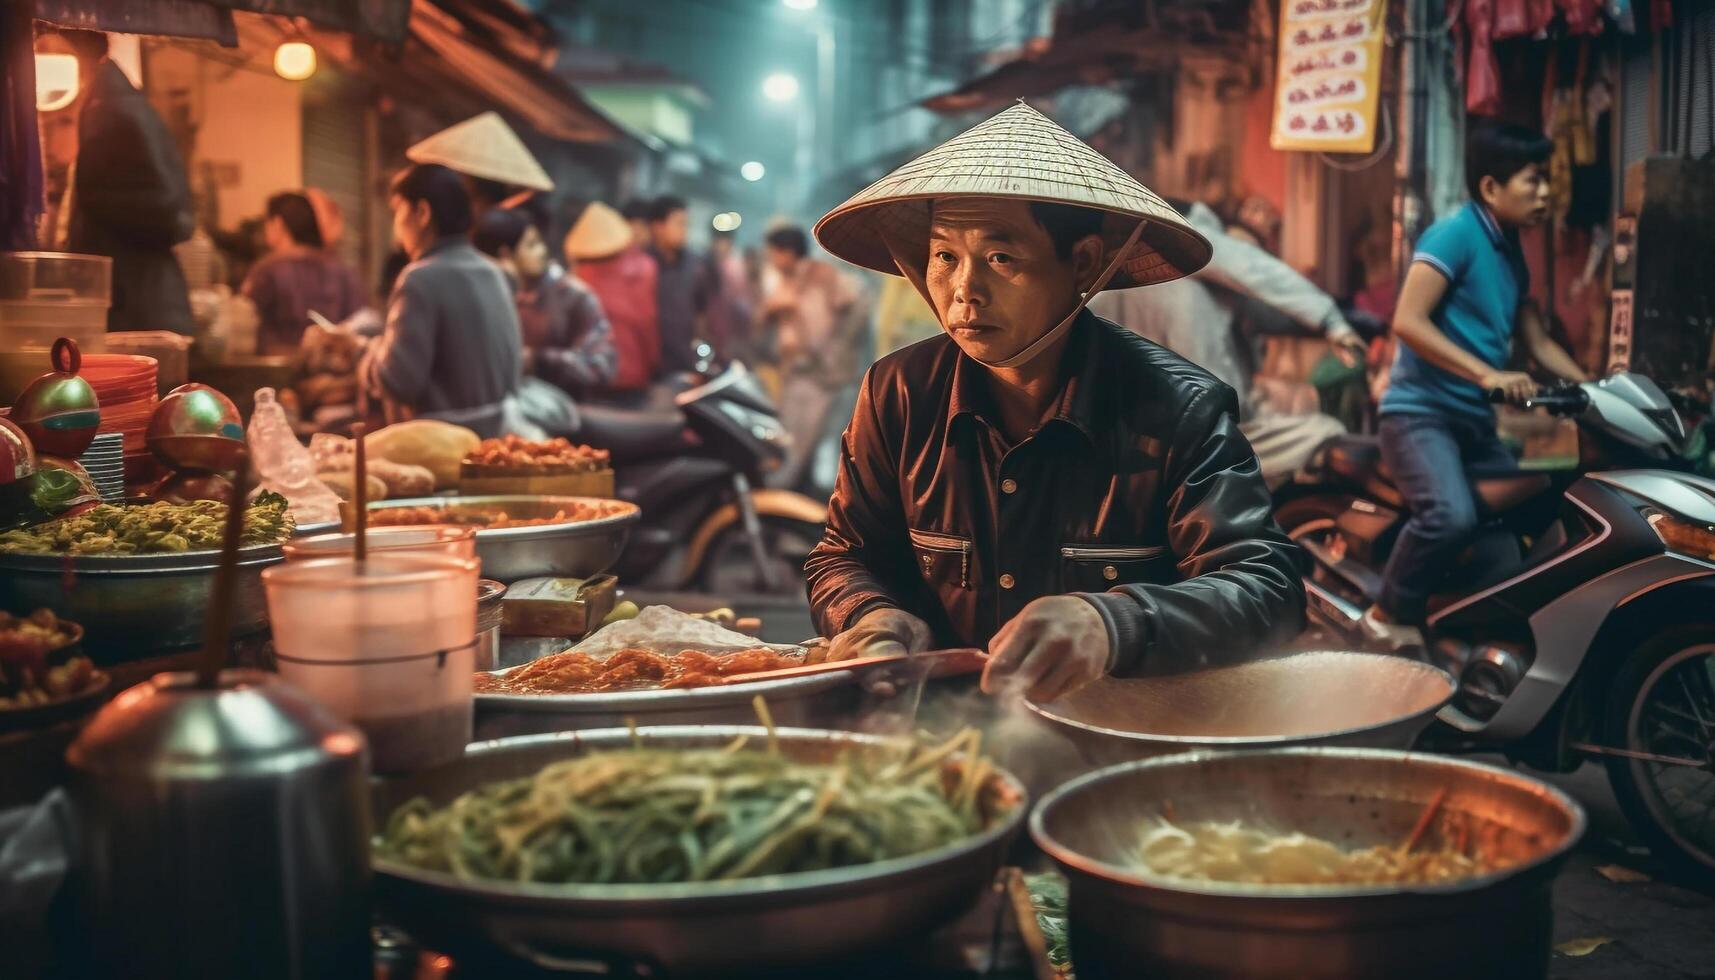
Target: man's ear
point(1087, 255)
point(420, 211)
point(1488, 189)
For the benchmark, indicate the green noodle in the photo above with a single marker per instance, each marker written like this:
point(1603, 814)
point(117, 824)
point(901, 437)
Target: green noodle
point(661, 815)
point(136, 529)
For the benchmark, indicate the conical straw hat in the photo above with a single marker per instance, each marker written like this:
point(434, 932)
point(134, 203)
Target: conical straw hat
point(598, 233)
point(1019, 153)
point(483, 146)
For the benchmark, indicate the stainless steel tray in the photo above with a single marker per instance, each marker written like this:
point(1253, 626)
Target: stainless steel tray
point(818, 701)
point(575, 549)
point(137, 603)
point(745, 927)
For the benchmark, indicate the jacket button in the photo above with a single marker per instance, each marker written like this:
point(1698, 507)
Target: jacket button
point(1006, 581)
point(1110, 573)
point(1008, 485)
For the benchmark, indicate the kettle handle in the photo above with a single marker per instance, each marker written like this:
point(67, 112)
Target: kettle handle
point(66, 357)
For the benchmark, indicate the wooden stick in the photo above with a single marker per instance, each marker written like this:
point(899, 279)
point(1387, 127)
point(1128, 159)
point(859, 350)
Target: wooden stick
point(217, 627)
point(1424, 820)
point(360, 496)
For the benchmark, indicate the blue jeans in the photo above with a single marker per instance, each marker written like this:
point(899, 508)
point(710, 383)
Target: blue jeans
point(1433, 460)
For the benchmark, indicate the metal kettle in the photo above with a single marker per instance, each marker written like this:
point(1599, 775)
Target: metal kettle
point(220, 832)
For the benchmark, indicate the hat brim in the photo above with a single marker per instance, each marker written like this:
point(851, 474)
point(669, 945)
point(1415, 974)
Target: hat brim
point(599, 233)
point(859, 232)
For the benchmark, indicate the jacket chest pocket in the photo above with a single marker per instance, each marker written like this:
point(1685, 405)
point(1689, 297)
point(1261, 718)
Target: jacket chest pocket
point(943, 559)
point(1097, 568)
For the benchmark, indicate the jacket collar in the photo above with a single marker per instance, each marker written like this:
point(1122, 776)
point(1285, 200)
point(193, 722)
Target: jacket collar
point(1073, 406)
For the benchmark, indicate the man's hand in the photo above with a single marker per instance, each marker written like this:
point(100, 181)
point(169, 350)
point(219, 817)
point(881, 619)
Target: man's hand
point(1056, 645)
point(1348, 346)
point(1515, 385)
point(878, 633)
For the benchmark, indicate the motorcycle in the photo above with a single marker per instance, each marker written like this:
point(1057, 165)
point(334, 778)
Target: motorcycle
point(1600, 645)
point(697, 471)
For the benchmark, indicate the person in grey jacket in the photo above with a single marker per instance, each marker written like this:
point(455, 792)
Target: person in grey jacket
point(451, 348)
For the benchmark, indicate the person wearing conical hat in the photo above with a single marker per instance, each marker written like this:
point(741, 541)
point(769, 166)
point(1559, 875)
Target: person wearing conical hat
point(1038, 481)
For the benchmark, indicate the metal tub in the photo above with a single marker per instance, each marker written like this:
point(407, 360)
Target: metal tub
point(138, 603)
point(1318, 698)
point(1127, 922)
point(575, 549)
point(746, 927)
point(817, 701)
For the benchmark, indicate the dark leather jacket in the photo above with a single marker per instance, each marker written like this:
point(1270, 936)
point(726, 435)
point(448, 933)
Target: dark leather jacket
point(1138, 494)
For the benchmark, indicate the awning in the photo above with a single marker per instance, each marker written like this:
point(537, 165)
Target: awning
point(463, 59)
point(1106, 42)
point(383, 20)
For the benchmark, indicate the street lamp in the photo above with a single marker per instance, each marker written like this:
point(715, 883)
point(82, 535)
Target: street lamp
point(780, 87)
point(753, 171)
point(294, 61)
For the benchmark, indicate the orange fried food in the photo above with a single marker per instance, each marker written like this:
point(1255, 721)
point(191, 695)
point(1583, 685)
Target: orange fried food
point(631, 669)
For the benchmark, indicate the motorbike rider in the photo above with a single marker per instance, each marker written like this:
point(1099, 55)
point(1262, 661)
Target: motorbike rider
point(1466, 293)
point(1040, 481)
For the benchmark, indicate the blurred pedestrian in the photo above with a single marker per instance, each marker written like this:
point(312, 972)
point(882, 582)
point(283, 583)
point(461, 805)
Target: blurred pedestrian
point(727, 321)
point(682, 288)
point(820, 322)
point(603, 254)
point(567, 341)
point(297, 275)
point(131, 199)
point(636, 212)
point(451, 349)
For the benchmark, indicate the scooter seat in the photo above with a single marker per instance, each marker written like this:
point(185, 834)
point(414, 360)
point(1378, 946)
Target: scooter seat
point(634, 434)
point(1358, 461)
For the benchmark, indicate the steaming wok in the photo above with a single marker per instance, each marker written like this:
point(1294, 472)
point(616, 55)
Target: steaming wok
point(1321, 698)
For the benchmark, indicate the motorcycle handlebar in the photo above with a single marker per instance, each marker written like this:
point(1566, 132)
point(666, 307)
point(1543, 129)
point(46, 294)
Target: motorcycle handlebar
point(1564, 400)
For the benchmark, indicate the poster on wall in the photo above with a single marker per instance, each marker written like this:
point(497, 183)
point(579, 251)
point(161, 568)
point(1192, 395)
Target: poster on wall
point(1329, 70)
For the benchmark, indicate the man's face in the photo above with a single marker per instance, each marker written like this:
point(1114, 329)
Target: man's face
point(531, 256)
point(781, 260)
point(669, 233)
point(411, 224)
point(995, 279)
point(1520, 202)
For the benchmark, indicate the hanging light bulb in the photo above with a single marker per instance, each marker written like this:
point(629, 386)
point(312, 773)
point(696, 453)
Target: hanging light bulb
point(56, 81)
point(294, 61)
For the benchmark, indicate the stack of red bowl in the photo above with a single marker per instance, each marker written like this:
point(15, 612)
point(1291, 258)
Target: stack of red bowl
point(125, 386)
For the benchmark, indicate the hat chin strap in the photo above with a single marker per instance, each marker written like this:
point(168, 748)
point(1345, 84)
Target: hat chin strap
point(1047, 340)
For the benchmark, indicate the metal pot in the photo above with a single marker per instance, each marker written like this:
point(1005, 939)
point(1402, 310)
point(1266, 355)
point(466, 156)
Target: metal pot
point(572, 549)
point(1318, 698)
point(136, 604)
point(747, 927)
point(819, 700)
point(220, 833)
point(1126, 922)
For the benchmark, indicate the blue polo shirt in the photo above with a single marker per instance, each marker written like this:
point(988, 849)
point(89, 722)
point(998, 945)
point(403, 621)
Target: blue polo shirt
point(1486, 279)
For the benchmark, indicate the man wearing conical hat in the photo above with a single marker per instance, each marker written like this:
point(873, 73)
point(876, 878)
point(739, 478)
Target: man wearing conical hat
point(1038, 481)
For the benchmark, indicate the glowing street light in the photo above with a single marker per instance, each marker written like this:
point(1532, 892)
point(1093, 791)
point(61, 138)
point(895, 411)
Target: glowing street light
point(780, 87)
point(753, 171)
point(728, 221)
point(800, 4)
point(294, 61)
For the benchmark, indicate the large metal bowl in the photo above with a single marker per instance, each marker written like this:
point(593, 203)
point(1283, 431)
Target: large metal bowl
point(575, 549)
point(137, 604)
point(746, 927)
point(1319, 698)
point(817, 701)
point(1126, 922)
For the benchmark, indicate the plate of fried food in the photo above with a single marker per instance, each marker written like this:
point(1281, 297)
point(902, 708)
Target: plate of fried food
point(43, 676)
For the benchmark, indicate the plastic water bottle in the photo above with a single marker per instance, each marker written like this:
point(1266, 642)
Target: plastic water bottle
point(284, 464)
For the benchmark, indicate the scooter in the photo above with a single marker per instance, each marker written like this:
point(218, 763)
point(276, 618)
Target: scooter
point(697, 471)
point(1600, 645)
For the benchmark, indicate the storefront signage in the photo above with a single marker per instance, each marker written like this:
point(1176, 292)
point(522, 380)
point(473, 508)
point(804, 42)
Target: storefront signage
point(1329, 74)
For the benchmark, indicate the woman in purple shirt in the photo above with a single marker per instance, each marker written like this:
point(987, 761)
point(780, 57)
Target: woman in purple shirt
point(297, 276)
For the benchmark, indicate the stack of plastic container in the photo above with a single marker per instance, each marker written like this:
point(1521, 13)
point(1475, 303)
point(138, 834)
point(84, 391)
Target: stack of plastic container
point(125, 386)
point(48, 295)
